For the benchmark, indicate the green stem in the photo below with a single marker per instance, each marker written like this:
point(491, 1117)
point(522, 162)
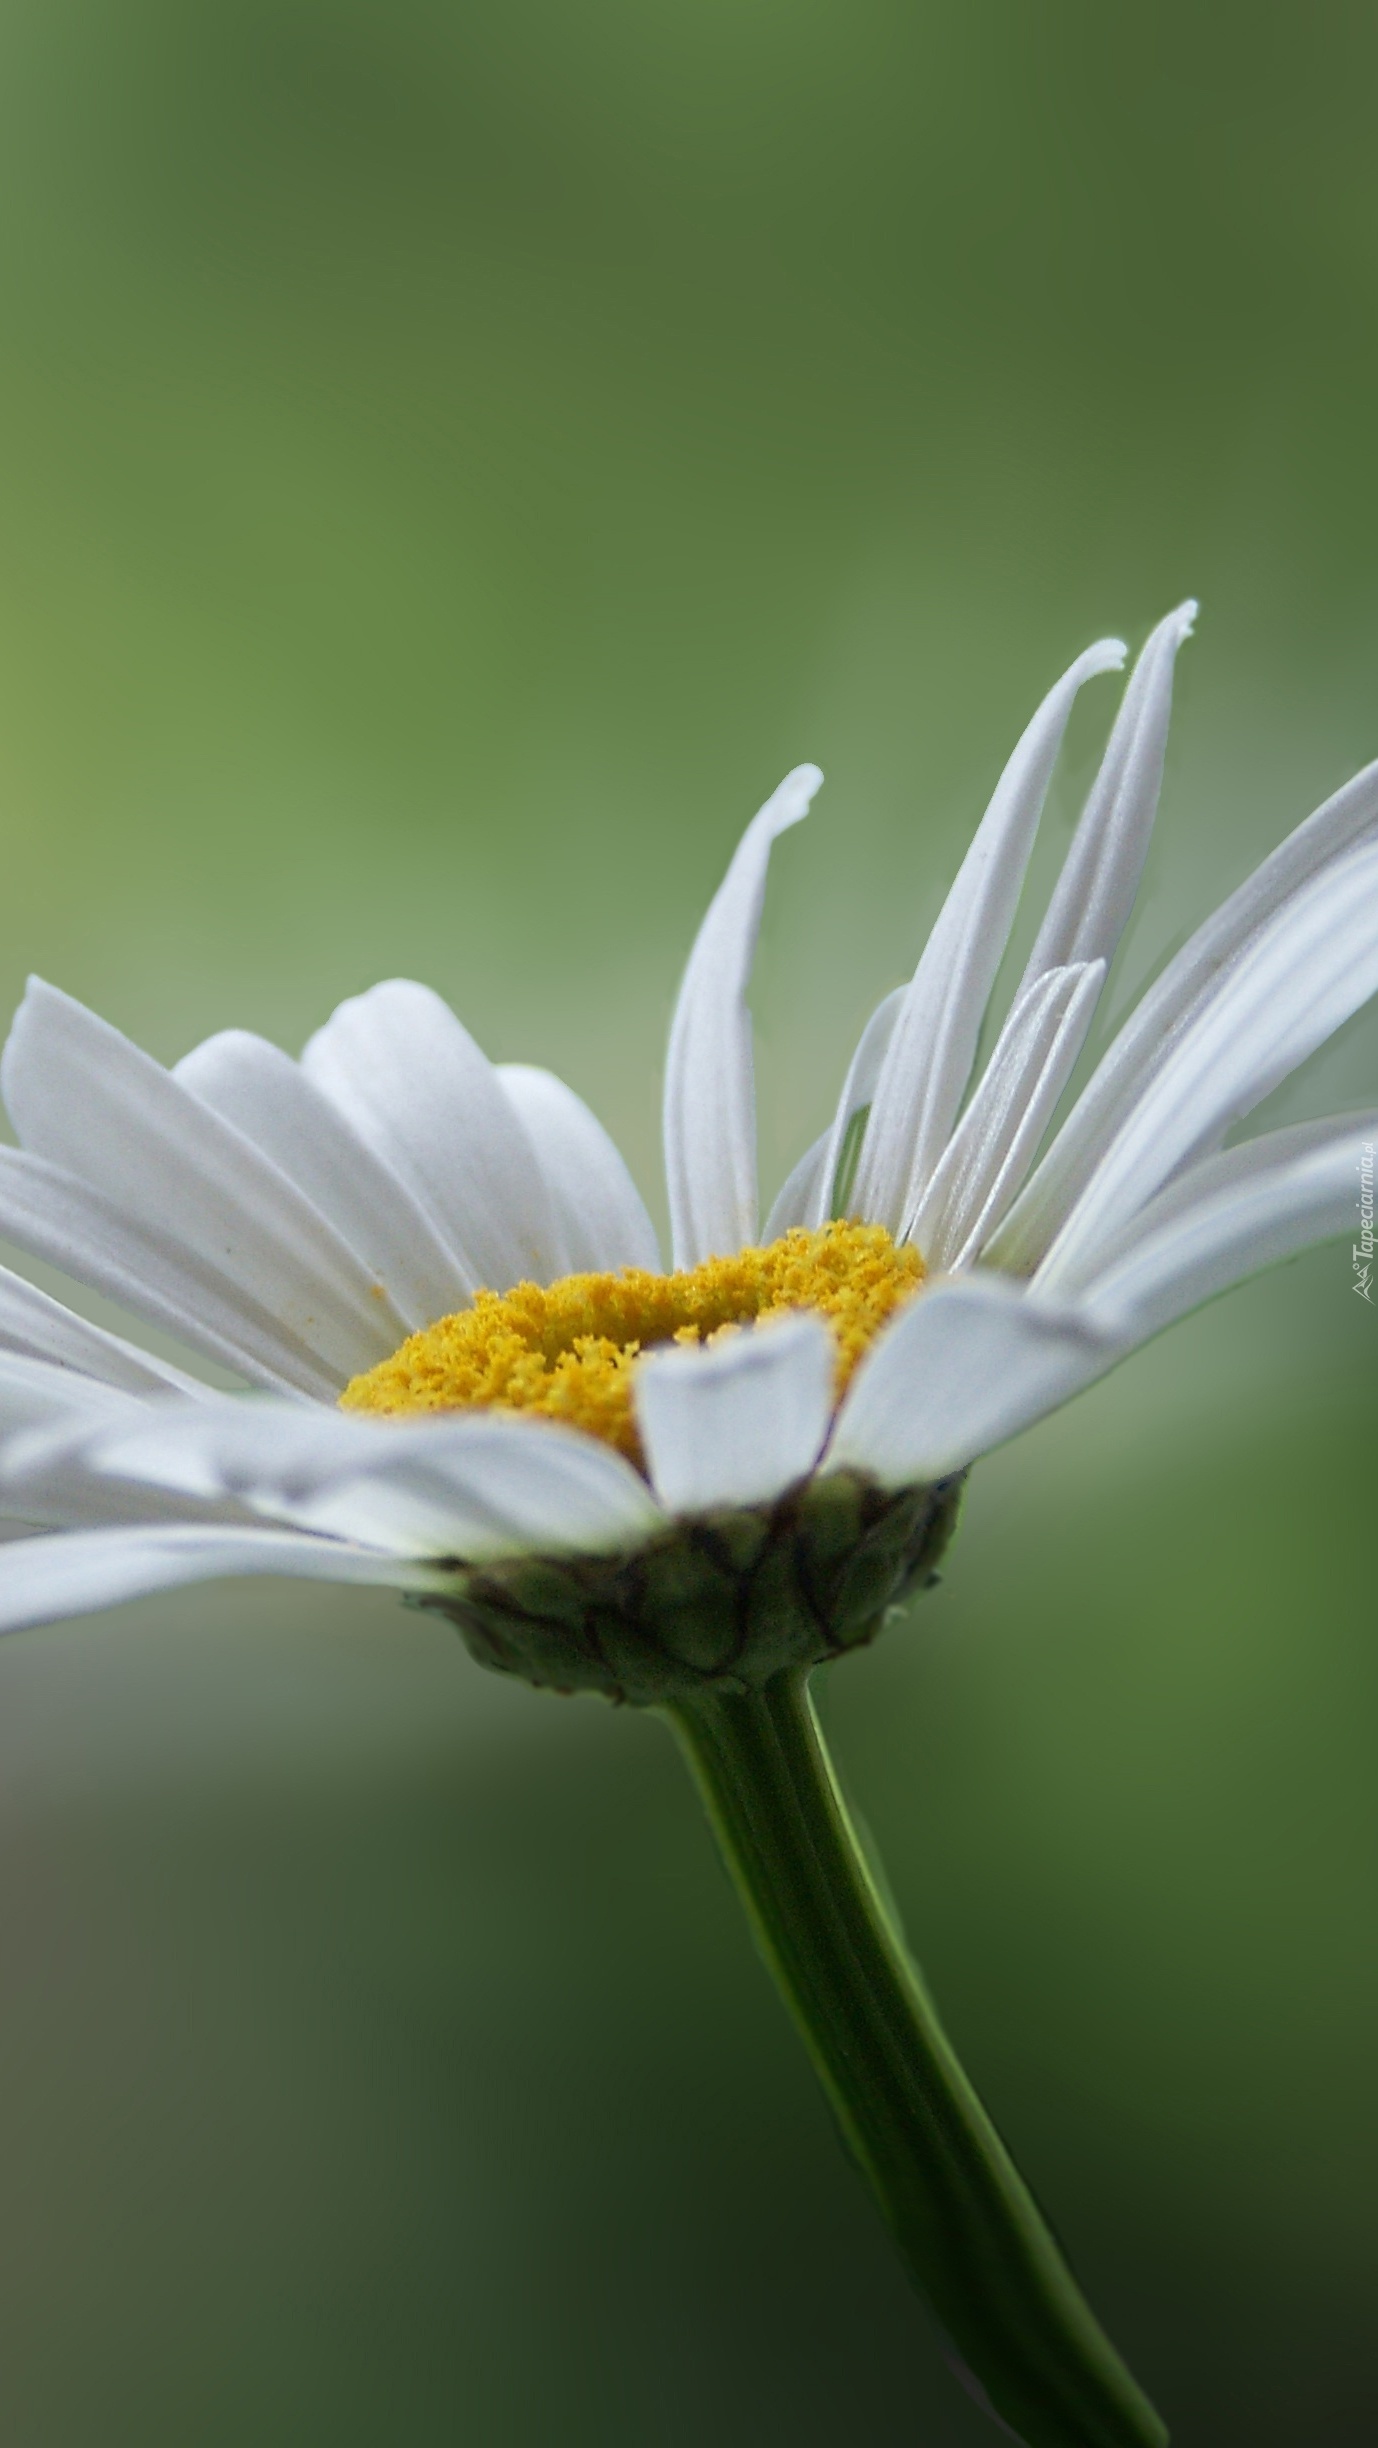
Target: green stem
point(965, 2222)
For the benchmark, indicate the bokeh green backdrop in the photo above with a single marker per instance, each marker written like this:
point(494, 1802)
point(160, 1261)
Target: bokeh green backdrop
point(452, 461)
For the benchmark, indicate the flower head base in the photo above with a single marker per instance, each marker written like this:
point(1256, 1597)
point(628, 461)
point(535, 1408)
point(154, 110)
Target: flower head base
point(730, 1599)
point(569, 1349)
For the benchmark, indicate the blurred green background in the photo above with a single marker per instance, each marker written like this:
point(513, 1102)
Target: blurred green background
point(451, 463)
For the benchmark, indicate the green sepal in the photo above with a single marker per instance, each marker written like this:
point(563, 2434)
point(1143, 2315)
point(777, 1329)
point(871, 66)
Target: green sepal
point(726, 1599)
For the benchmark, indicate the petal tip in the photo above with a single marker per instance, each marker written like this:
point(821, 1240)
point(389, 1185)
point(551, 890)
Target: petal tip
point(796, 793)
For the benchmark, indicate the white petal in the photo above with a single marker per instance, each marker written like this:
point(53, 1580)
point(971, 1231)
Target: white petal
point(600, 1212)
point(78, 1572)
point(1299, 979)
point(411, 1080)
point(960, 1369)
point(33, 1323)
point(934, 1043)
point(1230, 1216)
point(473, 1484)
point(1152, 1030)
point(710, 1093)
point(994, 1143)
point(1095, 891)
point(494, 1484)
point(271, 1456)
point(38, 1393)
point(85, 1100)
point(48, 1477)
point(735, 1422)
point(269, 1098)
point(853, 1112)
point(50, 1420)
point(64, 1221)
point(1226, 1169)
point(801, 1194)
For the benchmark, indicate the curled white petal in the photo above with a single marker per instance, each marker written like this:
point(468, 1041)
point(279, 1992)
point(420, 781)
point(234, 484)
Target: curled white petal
point(962, 1368)
point(834, 1192)
point(1230, 1216)
point(710, 1093)
point(1150, 1033)
point(1095, 892)
point(933, 1045)
point(801, 1194)
point(737, 1421)
point(1300, 977)
point(989, 1152)
point(817, 1187)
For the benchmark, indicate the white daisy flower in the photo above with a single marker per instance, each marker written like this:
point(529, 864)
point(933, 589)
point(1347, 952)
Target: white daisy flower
point(394, 1225)
point(473, 1378)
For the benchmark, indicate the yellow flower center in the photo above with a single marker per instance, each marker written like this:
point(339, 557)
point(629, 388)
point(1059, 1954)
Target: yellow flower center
point(568, 1349)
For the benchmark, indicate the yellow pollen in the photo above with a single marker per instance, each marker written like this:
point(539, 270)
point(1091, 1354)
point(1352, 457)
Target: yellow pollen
point(568, 1349)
